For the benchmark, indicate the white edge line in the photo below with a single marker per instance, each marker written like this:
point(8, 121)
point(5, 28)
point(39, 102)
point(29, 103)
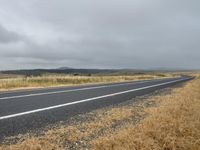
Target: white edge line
point(86, 100)
point(66, 91)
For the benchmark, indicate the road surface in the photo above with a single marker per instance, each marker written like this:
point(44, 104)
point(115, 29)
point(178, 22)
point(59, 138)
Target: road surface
point(21, 111)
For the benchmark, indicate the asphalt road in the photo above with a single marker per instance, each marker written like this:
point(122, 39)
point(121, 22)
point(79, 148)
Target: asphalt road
point(21, 111)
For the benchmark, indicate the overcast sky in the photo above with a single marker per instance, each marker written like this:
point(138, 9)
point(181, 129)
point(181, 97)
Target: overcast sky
point(142, 34)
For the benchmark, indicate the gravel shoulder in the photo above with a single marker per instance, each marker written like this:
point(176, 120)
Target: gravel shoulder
point(81, 130)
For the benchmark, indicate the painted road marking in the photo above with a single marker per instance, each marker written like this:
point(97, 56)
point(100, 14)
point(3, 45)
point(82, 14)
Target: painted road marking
point(67, 91)
point(86, 100)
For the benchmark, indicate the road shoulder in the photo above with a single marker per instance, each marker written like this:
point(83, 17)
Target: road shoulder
point(81, 130)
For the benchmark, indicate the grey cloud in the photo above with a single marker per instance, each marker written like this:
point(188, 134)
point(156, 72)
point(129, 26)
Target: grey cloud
point(8, 36)
point(106, 34)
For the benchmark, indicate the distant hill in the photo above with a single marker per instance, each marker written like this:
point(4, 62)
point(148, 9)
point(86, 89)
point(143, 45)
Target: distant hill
point(73, 71)
point(63, 70)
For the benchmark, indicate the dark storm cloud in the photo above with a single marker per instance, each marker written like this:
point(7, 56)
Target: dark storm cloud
point(105, 34)
point(7, 36)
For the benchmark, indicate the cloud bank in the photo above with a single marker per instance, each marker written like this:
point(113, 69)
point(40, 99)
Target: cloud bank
point(99, 34)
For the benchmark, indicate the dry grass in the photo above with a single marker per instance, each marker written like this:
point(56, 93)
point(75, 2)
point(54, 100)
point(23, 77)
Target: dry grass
point(175, 125)
point(78, 134)
point(57, 138)
point(63, 80)
point(9, 76)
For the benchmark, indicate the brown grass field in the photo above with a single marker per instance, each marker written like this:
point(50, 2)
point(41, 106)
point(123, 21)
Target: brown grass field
point(175, 125)
point(11, 82)
point(171, 123)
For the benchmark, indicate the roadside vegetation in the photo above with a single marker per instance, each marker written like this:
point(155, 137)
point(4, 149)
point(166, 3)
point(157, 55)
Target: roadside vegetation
point(166, 120)
point(174, 125)
point(9, 82)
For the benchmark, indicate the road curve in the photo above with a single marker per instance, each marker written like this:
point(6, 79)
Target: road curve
point(21, 111)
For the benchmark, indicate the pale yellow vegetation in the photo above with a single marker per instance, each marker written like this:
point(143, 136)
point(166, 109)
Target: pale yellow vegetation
point(67, 80)
point(175, 125)
point(56, 138)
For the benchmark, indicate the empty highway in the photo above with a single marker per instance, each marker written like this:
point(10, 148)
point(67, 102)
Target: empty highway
point(21, 111)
